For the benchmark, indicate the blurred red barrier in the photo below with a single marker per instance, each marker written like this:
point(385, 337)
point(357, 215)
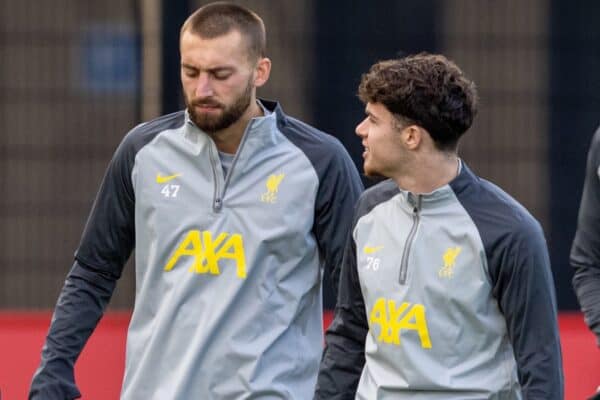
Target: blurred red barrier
point(100, 368)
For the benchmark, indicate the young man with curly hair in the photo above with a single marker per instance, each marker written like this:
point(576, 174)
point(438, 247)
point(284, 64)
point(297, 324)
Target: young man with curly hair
point(446, 290)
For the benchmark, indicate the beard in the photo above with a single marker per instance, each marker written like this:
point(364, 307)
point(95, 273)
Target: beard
point(229, 113)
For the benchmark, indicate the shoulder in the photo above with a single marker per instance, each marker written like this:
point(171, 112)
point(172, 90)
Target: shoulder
point(140, 136)
point(375, 195)
point(312, 141)
point(501, 220)
point(594, 151)
point(508, 210)
point(327, 154)
point(145, 132)
point(296, 129)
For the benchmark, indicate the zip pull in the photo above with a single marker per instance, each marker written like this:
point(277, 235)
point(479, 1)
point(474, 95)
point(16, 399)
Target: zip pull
point(220, 194)
point(217, 202)
point(415, 201)
point(417, 206)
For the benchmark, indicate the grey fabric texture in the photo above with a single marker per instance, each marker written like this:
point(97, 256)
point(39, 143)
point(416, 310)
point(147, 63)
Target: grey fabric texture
point(457, 300)
point(228, 267)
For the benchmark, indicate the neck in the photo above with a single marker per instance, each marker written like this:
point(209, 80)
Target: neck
point(228, 140)
point(428, 174)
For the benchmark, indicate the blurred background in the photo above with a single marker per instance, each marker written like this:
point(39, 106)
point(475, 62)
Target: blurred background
point(76, 75)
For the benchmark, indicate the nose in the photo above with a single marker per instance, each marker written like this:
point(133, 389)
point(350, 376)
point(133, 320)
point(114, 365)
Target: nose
point(361, 129)
point(203, 86)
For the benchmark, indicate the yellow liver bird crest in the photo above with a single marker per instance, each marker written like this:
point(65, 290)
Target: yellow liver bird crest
point(272, 184)
point(449, 262)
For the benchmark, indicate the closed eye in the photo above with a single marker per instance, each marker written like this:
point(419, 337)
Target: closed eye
point(190, 71)
point(222, 73)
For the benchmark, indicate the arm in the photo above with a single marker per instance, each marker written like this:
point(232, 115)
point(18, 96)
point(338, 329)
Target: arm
point(80, 305)
point(525, 291)
point(339, 189)
point(106, 243)
point(585, 253)
point(344, 355)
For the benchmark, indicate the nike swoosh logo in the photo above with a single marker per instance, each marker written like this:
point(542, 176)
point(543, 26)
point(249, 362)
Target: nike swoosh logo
point(165, 179)
point(372, 249)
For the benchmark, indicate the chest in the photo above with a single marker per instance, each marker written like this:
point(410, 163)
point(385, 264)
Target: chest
point(179, 189)
point(433, 255)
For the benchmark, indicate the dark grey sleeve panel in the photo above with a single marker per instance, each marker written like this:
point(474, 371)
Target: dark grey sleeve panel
point(526, 294)
point(109, 234)
point(585, 252)
point(79, 308)
point(107, 242)
point(344, 354)
point(339, 187)
point(522, 282)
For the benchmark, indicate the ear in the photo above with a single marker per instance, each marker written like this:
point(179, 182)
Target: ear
point(413, 137)
point(262, 72)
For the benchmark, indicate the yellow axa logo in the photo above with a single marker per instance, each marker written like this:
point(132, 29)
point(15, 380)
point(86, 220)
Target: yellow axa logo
point(447, 271)
point(371, 249)
point(270, 196)
point(166, 178)
point(392, 320)
point(207, 251)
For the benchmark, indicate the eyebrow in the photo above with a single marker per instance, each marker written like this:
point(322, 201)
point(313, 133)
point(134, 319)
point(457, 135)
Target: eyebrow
point(211, 70)
point(371, 115)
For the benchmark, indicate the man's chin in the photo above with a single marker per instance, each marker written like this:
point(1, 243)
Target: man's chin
point(208, 125)
point(373, 174)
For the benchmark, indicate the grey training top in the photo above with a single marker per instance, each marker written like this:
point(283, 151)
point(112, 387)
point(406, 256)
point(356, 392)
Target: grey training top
point(446, 295)
point(228, 267)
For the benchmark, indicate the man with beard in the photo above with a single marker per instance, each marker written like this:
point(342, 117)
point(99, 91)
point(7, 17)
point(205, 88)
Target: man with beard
point(233, 208)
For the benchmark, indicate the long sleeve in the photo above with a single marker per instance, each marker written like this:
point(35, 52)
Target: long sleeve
point(105, 246)
point(343, 358)
point(339, 189)
point(524, 288)
point(585, 252)
point(80, 306)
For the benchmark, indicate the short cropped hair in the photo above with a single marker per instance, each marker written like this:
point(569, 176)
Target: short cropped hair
point(220, 18)
point(427, 89)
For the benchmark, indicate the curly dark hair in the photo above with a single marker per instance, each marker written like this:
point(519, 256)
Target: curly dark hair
point(427, 89)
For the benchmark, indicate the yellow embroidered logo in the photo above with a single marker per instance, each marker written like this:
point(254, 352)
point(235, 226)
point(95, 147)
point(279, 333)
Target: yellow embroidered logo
point(447, 271)
point(391, 320)
point(164, 179)
point(371, 249)
point(270, 196)
point(207, 251)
